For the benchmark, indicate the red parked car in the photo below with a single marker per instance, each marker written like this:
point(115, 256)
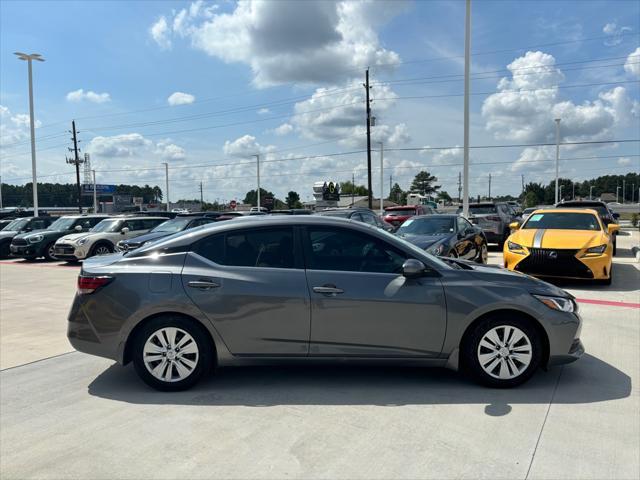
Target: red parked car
point(396, 216)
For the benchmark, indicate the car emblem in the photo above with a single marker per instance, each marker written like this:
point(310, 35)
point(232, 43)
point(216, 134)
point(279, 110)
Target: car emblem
point(553, 255)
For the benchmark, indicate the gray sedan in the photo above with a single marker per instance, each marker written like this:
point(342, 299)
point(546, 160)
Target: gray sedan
point(314, 289)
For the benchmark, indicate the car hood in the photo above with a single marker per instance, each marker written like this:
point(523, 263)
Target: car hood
point(560, 239)
point(8, 234)
point(46, 233)
point(73, 237)
point(424, 241)
point(494, 275)
point(147, 237)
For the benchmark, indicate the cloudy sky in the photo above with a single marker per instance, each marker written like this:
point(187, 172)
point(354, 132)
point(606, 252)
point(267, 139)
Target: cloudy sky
point(205, 86)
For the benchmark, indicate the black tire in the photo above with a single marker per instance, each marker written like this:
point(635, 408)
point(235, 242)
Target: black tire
point(5, 251)
point(98, 246)
point(204, 359)
point(483, 255)
point(470, 351)
point(607, 281)
point(47, 252)
point(615, 245)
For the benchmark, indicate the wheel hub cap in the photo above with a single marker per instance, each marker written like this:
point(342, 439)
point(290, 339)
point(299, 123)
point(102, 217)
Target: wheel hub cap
point(170, 354)
point(505, 352)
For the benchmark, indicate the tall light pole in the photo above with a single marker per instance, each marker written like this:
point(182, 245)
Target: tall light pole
point(257, 155)
point(29, 59)
point(617, 193)
point(590, 190)
point(467, 64)
point(1, 194)
point(561, 187)
point(624, 190)
point(557, 120)
point(166, 181)
point(95, 194)
point(381, 177)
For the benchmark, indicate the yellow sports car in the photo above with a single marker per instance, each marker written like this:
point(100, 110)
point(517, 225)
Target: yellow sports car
point(562, 242)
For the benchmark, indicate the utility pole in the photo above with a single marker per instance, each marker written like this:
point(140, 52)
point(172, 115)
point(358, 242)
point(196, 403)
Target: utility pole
point(29, 59)
point(618, 194)
point(201, 196)
point(381, 177)
point(257, 155)
point(633, 186)
point(166, 181)
point(557, 120)
point(489, 186)
point(573, 195)
point(624, 190)
point(459, 187)
point(95, 194)
point(353, 187)
point(467, 68)
point(522, 185)
point(76, 161)
point(390, 187)
point(590, 190)
point(0, 192)
point(366, 86)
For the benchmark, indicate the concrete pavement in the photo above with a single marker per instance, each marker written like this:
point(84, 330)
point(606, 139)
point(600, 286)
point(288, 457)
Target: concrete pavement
point(76, 416)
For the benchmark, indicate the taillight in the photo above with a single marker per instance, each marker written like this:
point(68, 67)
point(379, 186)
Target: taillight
point(87, 285)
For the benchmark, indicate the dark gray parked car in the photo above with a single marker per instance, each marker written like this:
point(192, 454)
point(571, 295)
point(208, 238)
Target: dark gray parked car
point(493, 219)
point(314, 289)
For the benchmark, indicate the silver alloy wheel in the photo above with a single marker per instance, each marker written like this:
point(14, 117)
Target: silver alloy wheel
point(170, 354)
point(51, 251)
point(484, 253)
point(505, 352)
point(102, 250)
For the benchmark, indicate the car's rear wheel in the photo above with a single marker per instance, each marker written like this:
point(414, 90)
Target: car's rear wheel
point(49, 252)
point(502, 351)
point(101, 249)
point(171, 353)
point(483, 256)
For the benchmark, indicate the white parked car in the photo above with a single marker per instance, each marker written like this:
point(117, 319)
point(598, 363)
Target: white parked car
point(102, 239)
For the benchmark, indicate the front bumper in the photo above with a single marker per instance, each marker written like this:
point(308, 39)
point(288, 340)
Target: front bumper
point(67, 251)
point(31, 250)
point(575, 352)
point(558, 263)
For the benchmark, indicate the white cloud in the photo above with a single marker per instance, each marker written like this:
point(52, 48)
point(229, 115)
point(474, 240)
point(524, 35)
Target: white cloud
point(14, 128)
point(125, 145)
point(263, 111)
point(624, 161)
point(245, 146)
point(525, 106)
point(284, 129)
point(91, 96)
point(169, 151)
point(161, 33)
point(180, 98)
point(289, 41)
point(614, 33)
point(632, 65)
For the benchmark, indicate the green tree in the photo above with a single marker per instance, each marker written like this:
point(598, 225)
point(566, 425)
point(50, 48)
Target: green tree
point(252, 199)
point(530, 199)
point(293, 200)
point(348, 188)
point(423, 183)
point(444, 196)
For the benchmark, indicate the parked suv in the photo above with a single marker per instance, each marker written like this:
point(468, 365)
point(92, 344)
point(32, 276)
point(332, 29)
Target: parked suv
point(178, 224)
point(359, 214)
point(494, 219)
point(102, 238)
point(40, 243)
point(396, 216)
point(21, 225)
point(606, 215)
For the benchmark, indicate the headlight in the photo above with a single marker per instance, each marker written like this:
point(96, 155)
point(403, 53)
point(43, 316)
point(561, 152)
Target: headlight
point(82, 241)
point(436, 250)
point(558, 303)
point(515, 248)
point(36, 238)
point(594, 251)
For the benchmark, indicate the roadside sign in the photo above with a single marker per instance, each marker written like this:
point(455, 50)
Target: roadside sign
point(87, 189)
point(233, 204)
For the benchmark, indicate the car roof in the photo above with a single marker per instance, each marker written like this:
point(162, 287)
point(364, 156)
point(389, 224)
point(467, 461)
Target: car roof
point(404, 207)
point(438, 215)
point(567, 210)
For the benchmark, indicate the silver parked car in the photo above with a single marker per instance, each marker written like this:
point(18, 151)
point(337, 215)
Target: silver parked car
point(311, 289)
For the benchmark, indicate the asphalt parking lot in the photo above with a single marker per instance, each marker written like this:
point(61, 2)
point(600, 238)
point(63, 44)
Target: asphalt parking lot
point(64, 414)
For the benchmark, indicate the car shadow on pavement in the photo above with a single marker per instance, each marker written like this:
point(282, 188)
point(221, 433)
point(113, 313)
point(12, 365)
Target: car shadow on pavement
point(586, 381)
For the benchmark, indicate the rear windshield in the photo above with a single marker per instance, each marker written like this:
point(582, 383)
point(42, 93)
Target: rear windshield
point(172, 226)
point(482, 209)
point(562, 221)
point(602, 210)
point(401, 212)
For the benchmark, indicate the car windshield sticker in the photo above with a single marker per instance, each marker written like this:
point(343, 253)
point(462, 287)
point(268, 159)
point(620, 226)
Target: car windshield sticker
point(536, 218)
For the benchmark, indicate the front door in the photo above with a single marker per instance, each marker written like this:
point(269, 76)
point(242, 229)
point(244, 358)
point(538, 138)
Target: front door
point(251, 286)
point(361, 305)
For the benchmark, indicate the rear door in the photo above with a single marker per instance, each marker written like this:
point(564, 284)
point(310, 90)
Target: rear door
point(251, 285)
point(360, 303)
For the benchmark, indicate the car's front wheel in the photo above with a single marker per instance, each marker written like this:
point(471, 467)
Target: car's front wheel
point(49, 252)
point(101, 248)
point(172, 353)
point(483, 255)
point(502, 351)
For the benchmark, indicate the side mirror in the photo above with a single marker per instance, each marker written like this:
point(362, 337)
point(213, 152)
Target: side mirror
point(616, 215)
point(78, 228)
point(514, 225)
point(612, 228)
point(124, 230)
point(413, 268)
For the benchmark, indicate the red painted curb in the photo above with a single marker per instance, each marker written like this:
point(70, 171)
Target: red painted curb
point(608, 303)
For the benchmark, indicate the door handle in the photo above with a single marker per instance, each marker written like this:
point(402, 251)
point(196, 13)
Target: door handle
point(329, 290)
point(203, 284)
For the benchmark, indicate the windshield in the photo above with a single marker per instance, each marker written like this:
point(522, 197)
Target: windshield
point(404, 212)
point(172, 226)
point(482, 209)
point(110, 225)
point(17, 224)
point(602, 211)
point(62, 224)
point(427, 226)
point(562, 221)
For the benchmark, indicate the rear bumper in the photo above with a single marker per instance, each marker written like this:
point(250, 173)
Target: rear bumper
point(84, 337)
